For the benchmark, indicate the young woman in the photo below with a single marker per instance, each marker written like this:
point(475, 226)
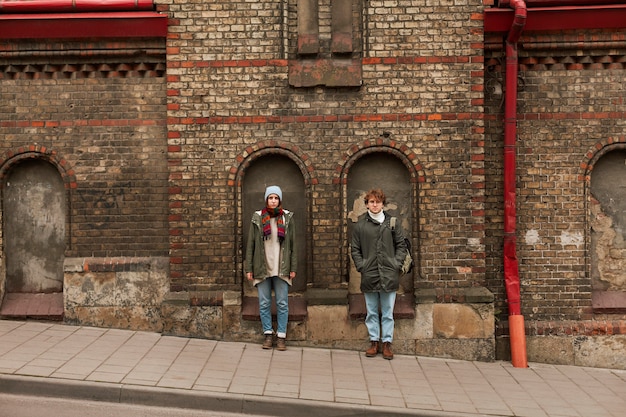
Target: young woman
point(378, 254)
point(271, 262)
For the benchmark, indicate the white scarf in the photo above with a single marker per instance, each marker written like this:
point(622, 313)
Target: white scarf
point(380, 217)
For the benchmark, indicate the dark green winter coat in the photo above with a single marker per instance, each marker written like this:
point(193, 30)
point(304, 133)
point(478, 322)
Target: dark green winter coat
point(255, 250)
point(378, 253)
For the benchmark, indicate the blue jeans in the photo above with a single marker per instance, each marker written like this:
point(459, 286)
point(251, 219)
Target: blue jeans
point(386, 302)
point(281, 291)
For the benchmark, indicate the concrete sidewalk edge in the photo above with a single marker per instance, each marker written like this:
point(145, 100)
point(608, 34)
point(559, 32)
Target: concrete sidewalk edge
point(199, 400)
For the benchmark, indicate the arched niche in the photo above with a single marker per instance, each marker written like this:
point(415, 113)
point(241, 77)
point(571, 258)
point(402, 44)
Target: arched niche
point(380, 170)
point(34, 222)
point(277, 169)
point(608, 232)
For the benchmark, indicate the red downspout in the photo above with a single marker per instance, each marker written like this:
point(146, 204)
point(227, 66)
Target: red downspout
point(511, 272)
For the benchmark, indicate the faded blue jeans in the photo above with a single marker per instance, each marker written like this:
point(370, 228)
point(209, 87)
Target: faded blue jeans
point(386, 302)
point(281, 291)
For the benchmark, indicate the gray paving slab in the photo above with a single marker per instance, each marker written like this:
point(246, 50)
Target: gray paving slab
point(58, 360)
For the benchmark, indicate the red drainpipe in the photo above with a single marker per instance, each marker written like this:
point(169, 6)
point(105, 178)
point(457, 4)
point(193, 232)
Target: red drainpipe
point(511, 272)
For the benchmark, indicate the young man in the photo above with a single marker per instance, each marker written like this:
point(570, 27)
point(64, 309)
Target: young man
point(378, 253)
point(271, 262)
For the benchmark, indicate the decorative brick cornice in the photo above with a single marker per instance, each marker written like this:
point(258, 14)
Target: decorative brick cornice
point(561, 59)
point(572, 63)
point(81, 70)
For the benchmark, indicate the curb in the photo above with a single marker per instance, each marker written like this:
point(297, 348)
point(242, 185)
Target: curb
point(199, 400)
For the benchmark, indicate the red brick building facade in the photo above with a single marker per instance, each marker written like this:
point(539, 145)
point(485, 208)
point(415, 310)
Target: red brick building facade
point(165, 121)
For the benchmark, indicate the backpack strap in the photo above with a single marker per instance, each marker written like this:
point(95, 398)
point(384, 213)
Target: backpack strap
point(392, 226)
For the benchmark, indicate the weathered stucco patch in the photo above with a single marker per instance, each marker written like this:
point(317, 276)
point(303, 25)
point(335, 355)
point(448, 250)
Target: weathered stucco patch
point(532, 237)
point(608, 252)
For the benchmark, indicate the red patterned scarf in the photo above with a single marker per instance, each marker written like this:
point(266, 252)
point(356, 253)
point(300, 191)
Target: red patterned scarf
point(266, 215)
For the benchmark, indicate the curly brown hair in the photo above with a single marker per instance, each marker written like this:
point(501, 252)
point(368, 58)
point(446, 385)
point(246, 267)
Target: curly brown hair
point(376, 194)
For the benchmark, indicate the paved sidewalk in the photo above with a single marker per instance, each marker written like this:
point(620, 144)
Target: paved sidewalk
point(126, 366)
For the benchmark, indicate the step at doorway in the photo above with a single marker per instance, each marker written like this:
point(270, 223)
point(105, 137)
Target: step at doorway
point(40, 306)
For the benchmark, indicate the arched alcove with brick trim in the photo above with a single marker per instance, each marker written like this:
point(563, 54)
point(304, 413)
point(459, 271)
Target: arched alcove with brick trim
point(34, 210)
point(606, 177)
point(262, 168)
point(386, 165)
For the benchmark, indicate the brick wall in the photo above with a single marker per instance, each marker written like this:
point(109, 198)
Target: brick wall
point(154, 138)
point(570, 108)
point(229, 94)
point(97, 112)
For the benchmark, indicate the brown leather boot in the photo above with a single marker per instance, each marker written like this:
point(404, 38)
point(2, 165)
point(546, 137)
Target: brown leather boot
point(280, 344)
point(387, 352)
point(373, 350)
point(268, 342)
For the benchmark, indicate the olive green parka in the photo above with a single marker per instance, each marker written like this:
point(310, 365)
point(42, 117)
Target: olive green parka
point(255, 261)
point(378, 253)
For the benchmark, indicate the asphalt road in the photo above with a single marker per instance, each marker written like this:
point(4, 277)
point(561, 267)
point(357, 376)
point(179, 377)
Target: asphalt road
point(25, 406)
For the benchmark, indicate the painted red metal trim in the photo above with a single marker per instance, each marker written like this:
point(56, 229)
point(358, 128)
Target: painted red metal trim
point(558, 18)
point(83, 25)
point(511, 273)
point(511, 267)
point(68, 6)
point(552, 3)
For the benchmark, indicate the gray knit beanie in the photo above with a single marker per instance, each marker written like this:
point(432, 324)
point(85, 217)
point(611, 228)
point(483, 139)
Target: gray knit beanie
point(274, 189)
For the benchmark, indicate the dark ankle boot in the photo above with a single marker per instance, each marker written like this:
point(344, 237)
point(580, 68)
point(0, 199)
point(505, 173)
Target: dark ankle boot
point(280, 344)
point(268, 341)
point(387, 352)
point(373, 350)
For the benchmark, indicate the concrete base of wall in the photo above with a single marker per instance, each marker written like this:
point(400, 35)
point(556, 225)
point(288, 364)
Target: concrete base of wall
point(605, 351)
point(133, 293)
point(105, 295)
point(440, 330)
point(331, 327)
point(124, 293)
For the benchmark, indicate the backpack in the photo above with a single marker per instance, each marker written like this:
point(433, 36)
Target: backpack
point(408, 264)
